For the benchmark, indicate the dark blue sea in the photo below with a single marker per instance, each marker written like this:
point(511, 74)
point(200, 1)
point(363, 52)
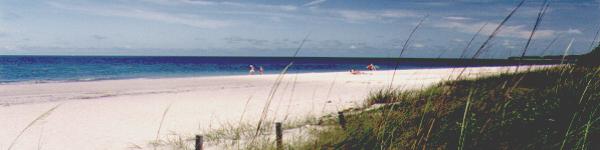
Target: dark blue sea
point(42, 69)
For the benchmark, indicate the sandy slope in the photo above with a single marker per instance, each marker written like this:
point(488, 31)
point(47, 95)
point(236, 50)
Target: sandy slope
point(118, 114)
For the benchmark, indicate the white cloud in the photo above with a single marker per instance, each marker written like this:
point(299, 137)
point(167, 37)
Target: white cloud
point(287, 7)
point(397, 14)
point(508, 44)
point(261, 6)
point(573, 31)
point(314, 3)
point(353, 47)
point(175, 2)
point(457, 18)
point(357, 16)
point(418, 45)
point(458, 40)
point(515, 31)
point(226, 3)
point(165, 17)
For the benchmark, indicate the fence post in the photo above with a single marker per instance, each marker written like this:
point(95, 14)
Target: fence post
point(199, 142)
point(342, 120)
point(279, 135)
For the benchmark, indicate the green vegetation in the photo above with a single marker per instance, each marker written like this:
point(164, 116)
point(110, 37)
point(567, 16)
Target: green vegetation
point(553, 108)
point(556, 108)
point(590, 59)
point(239, 135)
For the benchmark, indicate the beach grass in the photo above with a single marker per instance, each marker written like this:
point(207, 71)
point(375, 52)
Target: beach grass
point(241, 135)
point(538, 113)
point(537, 109)
point(33, 122)
point(512, 110)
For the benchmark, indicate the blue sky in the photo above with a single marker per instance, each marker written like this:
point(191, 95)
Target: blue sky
point(342, 28)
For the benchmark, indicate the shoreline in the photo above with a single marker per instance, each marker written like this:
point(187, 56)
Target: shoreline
point(209, 74)
point(25, 87)
point(116, 114)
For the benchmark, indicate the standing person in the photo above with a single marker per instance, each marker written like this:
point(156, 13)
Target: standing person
point(261, 70)
point(251, 72)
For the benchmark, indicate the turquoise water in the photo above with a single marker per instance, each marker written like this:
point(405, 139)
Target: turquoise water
point(40, 69)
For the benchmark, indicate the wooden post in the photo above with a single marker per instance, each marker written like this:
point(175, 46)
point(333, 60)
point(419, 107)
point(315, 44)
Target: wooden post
point(199, 142)
point(342, 120)
point(279, 135)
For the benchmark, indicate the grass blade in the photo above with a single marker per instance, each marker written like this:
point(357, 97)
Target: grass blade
point(464, 52)
point(549, 45)
point(540, 16)
point(562, 60)
point(275, 87)
point(161, 121)
point(492, 35)
point(464, 123)
point(405, 46)
point(595, 38)
point(497, 30)
point(41, 117)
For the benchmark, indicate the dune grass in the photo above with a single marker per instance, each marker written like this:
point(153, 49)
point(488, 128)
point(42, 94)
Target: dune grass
point(275, 87)
point(546, 110)
point(551, 108)
point(162, 119)
point(531, 110)
point(405, 46)
point(541, 13)
point(241, 135)
point(33, 122)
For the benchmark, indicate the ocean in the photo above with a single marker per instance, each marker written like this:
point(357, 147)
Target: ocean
point(43, 69)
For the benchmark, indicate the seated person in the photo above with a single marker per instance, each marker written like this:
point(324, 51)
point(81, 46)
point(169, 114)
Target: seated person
point(355, 72)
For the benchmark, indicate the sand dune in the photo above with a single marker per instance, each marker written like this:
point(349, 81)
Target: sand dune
point(117, 114)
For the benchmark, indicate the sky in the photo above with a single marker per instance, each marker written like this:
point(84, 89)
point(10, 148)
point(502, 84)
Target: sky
point(335, 28)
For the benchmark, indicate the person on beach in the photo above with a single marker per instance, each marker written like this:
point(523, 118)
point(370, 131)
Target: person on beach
point(252, 70)
point(261, 70)
point(371, 67)
point(354, 72)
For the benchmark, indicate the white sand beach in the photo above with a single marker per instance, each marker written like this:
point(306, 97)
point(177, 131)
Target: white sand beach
point(119, 114)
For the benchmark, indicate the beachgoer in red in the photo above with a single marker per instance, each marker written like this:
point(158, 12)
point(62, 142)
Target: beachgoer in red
point(371, 67)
